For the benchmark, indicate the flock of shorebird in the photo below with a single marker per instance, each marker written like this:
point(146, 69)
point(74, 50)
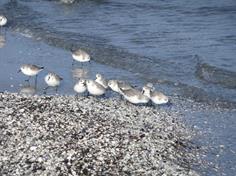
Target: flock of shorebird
point(98, 86)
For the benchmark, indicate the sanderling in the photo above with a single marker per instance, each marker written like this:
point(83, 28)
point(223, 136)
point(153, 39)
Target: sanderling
point(95, 88)
point(3, 20)
point(117, 85)
point(30, 70)
point(80, 86)
point(80, 56)
point(67, 1)
point(52, 80)
point(151, 86)
point(101, 80)
point(156, 97)
point(134, 96)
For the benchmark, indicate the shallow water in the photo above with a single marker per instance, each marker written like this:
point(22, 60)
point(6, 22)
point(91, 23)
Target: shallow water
point(19, 49)
point(186, 48)
point(159, 41)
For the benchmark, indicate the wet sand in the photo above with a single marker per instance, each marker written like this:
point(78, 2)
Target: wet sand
point(20, 48)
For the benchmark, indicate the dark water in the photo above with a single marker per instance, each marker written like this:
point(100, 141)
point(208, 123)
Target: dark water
point(186, 47)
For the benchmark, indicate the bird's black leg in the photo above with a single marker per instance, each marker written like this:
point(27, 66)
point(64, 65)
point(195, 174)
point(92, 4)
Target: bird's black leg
point(77, 96)
point(5, 33)
point(36, 78)
point(28, 79)
point(87, 94)
point(56, 89)
point(169, 104)
point(150, 104)
point(103, 96)
point(73, 62)
point(45, 90)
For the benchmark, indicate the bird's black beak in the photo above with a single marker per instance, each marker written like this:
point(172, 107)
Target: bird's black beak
point(18, 71)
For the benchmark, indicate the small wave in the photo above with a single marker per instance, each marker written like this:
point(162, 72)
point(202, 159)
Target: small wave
point(216, 75)
point(147, 68)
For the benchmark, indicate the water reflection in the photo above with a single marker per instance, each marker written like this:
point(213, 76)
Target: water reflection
point(79, 73)
point(2, 41)
point(27, 90)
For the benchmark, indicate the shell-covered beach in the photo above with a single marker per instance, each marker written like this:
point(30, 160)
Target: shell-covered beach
point(68, 135)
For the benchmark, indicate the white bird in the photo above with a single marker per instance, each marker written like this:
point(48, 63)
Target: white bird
point(67, 1)
point(30, 70)
point(52, 80)
point(80, 56)
point(95, 88)
point(156, 97)
point(3, 20)
point(80, 86)
point(151, 86)
point(117, 85)
point(101, 80)
point(134, 96)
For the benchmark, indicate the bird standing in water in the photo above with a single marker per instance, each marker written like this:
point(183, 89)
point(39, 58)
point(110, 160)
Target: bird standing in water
point(52, 80)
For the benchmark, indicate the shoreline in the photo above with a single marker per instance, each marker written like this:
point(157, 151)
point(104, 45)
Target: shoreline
point(85, 135)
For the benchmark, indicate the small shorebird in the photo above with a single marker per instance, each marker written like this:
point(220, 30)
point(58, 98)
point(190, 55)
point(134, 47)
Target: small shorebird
point(67, 1)
point(151, 86)
point(156, 97)
point(117, 85)
point(80, 86)
point(95, 88)
point(30, 70)
point(101, 80)
point(52, 80)
point(80, 56)
point(3, 21)
point(134, 96)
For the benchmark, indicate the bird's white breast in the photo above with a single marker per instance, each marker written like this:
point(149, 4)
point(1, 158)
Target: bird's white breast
point(52, 81)
point(29, 72)
point(81, 57)
point(3, 21)
point(95, 90)
point(79, 88)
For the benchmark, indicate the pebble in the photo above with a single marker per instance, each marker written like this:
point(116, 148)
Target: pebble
point(64, 135)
